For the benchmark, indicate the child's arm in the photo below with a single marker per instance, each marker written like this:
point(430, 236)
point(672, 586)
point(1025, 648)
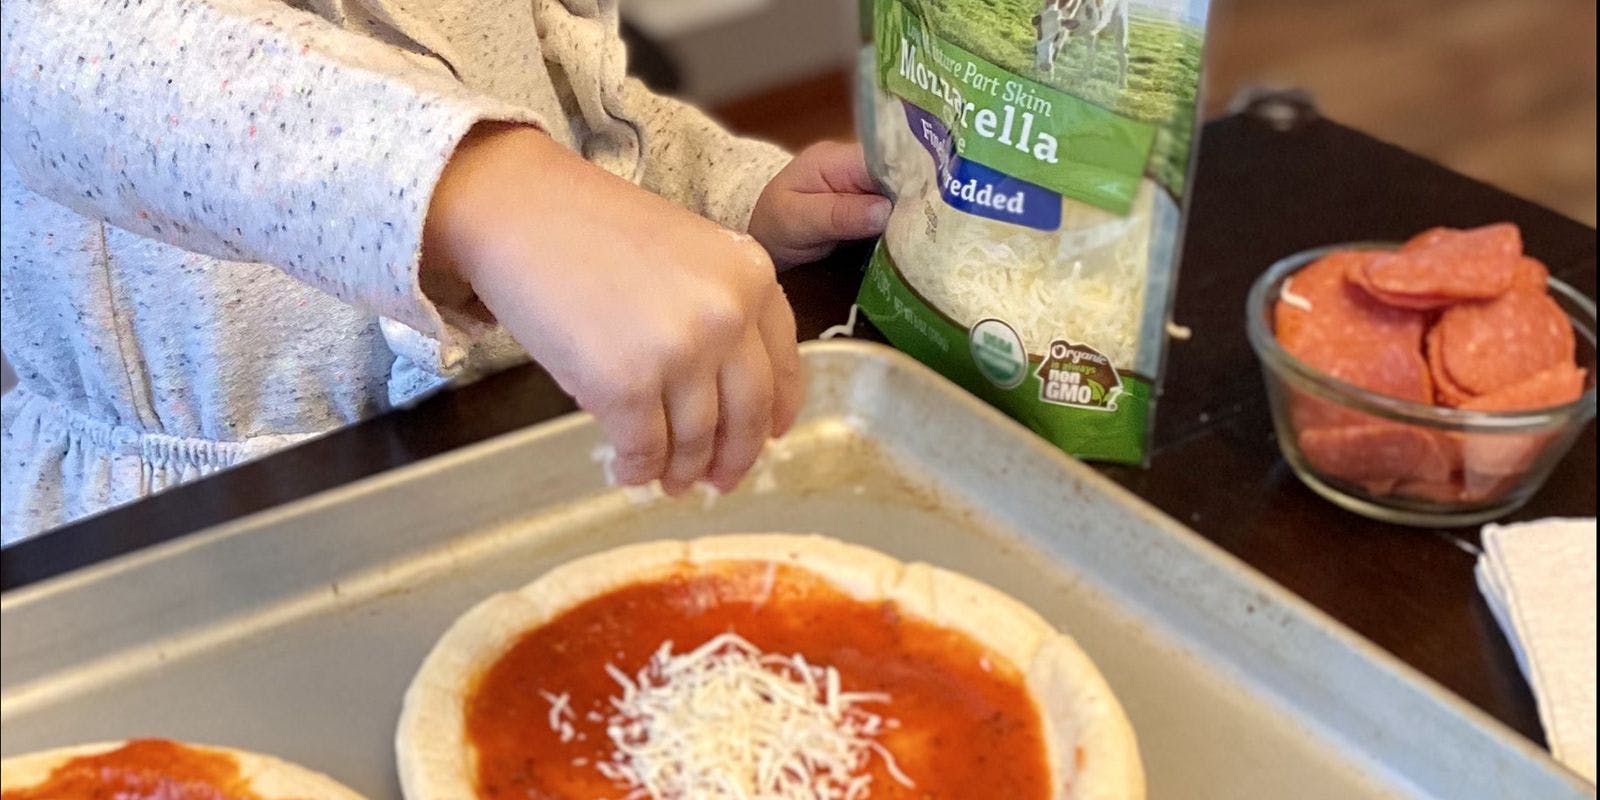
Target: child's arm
point(798, 208)
point(671, 329)
point(692, 161)
point(242, 129)
point(249, 131)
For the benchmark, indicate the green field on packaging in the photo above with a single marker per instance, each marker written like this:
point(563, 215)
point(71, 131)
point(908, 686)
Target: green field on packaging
point(1163, 67)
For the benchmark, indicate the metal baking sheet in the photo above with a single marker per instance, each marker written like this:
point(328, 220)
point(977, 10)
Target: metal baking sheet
point(295, 631)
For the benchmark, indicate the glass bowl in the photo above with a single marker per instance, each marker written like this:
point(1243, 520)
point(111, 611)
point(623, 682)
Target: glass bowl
point(1479, 465)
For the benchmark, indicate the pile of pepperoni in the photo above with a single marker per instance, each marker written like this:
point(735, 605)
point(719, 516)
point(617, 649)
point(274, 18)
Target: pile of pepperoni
point(1458, 318)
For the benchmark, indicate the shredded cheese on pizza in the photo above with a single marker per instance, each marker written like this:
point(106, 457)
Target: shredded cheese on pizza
point(728, 721)
point(561, 715)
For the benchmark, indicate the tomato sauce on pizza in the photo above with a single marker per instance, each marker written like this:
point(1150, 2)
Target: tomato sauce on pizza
point(947, 718)
point(143, 769)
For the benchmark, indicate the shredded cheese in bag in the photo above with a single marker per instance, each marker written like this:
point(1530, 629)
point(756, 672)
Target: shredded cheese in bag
point(1038, 173)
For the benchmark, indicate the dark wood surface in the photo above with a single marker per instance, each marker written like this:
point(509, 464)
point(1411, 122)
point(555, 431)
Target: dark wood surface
point(1260, 194)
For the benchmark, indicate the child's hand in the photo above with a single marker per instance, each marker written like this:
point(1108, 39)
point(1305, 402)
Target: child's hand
point(670, 329)
point(823, 197)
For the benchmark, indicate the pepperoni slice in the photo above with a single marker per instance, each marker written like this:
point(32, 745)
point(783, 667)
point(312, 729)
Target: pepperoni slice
point(1556, 386)
point(1487, 458)
point(1394, 368)
point(1381, 487)
point(1375, 452)
point(1532, 275)
point(1446, 391)
point(1422, 302)
point(1477, 488)
point(1428, 238)
point(1309, 411)
point(1457, 490)
point(1445, 492)
point(1490, 458)
point(1488, 346)
point(1337, 329)
point(1311, 294)
point(1476, 264)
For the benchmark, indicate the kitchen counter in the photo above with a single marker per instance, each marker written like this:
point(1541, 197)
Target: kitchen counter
point(1263, 190)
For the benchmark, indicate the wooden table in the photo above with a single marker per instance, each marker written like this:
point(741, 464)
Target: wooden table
point(1262, 191)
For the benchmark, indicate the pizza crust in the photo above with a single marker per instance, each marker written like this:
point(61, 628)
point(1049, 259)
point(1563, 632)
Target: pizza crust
point(432, 732)
point(1080, 712)
point(1075, 703)
point(862, 573)
point(269, 777)
point(1006, 627)
point(577, 581)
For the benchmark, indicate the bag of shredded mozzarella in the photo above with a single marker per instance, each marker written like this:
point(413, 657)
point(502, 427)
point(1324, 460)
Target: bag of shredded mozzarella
point(1038, 155)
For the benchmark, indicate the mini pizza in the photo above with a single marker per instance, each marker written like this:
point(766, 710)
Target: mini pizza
point(158, 769)
point(768, 667)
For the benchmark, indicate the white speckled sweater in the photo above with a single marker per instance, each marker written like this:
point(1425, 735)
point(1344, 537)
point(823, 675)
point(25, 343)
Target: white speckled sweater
point(213, 212)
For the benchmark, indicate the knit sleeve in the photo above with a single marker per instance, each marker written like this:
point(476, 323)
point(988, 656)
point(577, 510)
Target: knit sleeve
point(241, 129)
point(694, 162)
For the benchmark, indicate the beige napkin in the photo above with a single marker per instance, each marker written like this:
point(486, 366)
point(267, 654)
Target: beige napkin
point(1539, 579)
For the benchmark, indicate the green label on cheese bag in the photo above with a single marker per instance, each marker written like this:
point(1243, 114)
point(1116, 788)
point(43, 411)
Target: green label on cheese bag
point(1072, 396)
point(1014, 125)
point(1038, 153)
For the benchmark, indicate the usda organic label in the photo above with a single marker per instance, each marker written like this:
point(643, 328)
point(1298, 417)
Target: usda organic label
point(999, 354)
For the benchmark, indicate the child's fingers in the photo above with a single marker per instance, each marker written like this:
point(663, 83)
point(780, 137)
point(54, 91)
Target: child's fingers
point(745, 382)
point(839, 217)
point(788, 381)
point(692, 425)
point(843, 168)
point(638, 432)
point(874, 216)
